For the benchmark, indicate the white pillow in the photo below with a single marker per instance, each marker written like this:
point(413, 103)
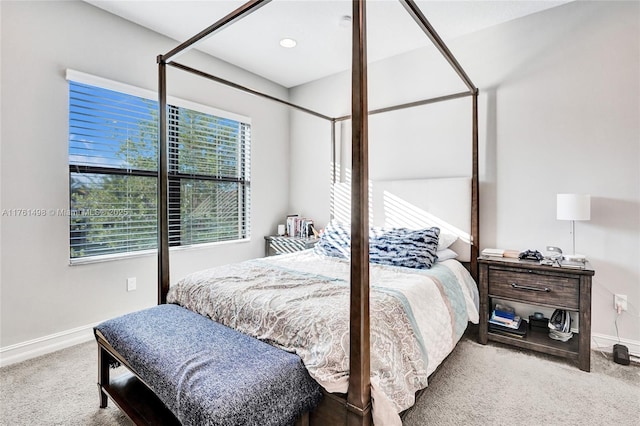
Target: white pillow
point(446, 254)
point(445, 240)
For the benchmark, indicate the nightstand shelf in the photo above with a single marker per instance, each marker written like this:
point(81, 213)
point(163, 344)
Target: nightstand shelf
point(530, 283)
point(540, 342)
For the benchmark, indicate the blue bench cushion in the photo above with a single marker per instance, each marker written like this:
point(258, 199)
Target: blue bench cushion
point(209, 374)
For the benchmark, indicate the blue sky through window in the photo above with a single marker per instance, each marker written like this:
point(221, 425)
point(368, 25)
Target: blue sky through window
point(113, 138)
point(105, 126)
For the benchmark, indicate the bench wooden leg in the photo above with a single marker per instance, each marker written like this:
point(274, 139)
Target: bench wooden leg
point(303, 420)
point(103, 374)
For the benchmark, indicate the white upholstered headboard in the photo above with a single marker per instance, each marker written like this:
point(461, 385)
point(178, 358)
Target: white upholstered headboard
point(441, 202)
point(418, 203)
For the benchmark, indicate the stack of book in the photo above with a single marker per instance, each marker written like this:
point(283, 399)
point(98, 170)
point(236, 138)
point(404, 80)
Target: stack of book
point(494, 252)
point(505, 321)
point(299, 226)
point(574, 264)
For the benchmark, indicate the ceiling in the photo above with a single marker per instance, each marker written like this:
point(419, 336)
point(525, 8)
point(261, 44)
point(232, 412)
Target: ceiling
point(323, 39)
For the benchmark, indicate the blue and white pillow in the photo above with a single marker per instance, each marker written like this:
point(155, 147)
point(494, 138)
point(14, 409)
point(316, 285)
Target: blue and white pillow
point(387, 246)
point(404, 247)
point(335, 241)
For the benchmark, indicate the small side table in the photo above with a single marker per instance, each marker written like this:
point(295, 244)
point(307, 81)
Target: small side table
point(276, 244)
point(547, 286)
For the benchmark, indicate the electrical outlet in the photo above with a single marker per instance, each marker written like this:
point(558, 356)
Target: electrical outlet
point(131, 284)
point(620, 300)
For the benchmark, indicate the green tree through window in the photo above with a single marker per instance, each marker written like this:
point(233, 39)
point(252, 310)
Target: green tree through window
point(113, 157)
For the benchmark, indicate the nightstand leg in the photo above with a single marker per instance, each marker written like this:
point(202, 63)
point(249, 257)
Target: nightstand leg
point(584, 352)
point(483, 319)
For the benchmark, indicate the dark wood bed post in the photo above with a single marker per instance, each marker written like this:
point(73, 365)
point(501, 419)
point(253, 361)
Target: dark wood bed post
point(163, 186)
point(334, 178)
point(359, 391)
point(475, 192)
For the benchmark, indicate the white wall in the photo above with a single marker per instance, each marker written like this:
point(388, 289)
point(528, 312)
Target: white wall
point(559, 112)
point(42, 296)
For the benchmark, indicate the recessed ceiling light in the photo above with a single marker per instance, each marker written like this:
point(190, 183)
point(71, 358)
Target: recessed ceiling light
point(288, 43)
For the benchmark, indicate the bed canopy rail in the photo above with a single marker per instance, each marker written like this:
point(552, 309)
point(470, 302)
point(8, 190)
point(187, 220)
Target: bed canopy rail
point(244, 10)
point(247, 90)
point(358, 402)
point(426, 27)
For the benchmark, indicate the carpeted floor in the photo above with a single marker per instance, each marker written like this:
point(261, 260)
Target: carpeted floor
point(55, 389)
point(477, 385)
point(499, 385)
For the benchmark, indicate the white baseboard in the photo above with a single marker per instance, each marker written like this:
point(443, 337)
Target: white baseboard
point(46, 344)
point(605, 343)
point(55, 342)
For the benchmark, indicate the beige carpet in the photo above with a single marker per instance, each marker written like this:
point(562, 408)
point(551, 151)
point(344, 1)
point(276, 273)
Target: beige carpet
point(477, 385)
point(499, 385)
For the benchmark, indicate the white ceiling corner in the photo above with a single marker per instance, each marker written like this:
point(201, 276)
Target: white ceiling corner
point(323, 44)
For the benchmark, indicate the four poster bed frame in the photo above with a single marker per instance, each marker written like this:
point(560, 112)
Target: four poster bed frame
point(354, 408)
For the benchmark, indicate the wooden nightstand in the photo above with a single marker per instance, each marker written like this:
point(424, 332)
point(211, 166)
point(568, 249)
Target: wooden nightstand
point(276, 244)
point(534, 284)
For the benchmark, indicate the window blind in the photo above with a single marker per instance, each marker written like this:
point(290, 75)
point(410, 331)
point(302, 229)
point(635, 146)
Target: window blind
point(209, 173)
point(113, 161)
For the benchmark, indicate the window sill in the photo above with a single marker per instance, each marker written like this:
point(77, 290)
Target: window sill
point(148, 253)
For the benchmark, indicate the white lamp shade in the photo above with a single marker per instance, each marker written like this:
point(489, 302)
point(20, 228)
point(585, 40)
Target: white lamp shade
point(574, 207)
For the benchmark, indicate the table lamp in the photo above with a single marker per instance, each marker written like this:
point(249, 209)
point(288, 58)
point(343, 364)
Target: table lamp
point(574, 207)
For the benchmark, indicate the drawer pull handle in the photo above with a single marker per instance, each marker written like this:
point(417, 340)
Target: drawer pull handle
point(524, 287)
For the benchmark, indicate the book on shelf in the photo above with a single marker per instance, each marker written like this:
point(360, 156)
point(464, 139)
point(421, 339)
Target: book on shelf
point(300, 227)
point(573, 264)
point(502, 314)
point(505, 316)
point(519, 331)
point(494, 252)
point(512, 324)
point(504, 311)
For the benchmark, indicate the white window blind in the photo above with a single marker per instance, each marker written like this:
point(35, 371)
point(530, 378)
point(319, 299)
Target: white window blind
point(113, 158)
point(208, 177)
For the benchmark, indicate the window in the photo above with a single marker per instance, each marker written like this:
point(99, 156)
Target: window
point(113, 162)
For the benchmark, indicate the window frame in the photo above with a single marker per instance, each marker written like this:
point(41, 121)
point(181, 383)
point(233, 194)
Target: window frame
point(175, 177)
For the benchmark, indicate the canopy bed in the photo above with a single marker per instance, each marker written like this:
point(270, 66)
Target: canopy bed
point(351, 401)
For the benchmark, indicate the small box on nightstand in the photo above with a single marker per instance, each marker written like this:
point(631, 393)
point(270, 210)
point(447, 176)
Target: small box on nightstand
point(538, 324)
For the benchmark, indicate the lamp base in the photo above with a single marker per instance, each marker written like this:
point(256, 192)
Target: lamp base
point(575, 257)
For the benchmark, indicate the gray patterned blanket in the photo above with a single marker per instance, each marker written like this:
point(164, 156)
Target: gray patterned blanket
point(300, 303)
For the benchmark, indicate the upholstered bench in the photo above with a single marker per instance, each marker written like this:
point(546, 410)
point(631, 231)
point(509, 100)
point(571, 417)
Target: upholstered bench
point(187, 369)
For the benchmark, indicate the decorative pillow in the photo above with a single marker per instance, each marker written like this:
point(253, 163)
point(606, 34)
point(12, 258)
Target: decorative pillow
point(445, 254)
point(335, 241)
point(445, 240)
point(404, 247)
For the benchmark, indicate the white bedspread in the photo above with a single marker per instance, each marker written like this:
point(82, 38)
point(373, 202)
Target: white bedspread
point(300, 303)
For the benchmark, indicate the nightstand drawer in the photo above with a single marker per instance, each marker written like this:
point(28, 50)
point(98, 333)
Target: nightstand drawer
point(559, 291)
